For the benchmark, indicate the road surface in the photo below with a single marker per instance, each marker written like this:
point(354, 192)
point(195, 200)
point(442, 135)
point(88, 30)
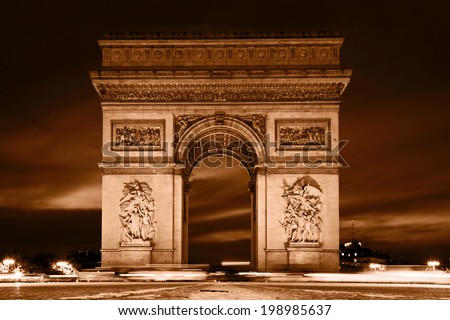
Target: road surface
point(223, 291)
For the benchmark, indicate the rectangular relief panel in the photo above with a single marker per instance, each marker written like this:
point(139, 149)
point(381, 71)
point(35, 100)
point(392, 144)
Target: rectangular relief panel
point(138, 135)
point(301, 134)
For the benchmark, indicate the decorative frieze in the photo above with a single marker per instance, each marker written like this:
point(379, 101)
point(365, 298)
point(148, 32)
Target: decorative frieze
point(302, 215)
point(232, 92)
point(223, 52)
point(302, 134)
point(141, 134)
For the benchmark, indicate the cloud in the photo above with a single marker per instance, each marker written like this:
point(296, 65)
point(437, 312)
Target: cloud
point(218, 193)
point(400, 226)
point(214, 216)
point(223, 236)
point(225, 223)
point(396, 188)
point(51, 158)
point(84, 197)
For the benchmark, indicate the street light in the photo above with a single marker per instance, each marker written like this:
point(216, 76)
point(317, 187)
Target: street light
point(433, 264)
point(7, 265)
point(9, 262)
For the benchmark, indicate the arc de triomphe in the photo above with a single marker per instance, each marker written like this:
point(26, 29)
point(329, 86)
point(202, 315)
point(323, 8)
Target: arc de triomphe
point(271, 101)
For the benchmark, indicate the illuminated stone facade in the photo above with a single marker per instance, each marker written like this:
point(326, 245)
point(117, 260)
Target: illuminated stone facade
point(271, 101)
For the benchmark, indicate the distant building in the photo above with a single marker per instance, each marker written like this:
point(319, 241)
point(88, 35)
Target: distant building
point(353, 256)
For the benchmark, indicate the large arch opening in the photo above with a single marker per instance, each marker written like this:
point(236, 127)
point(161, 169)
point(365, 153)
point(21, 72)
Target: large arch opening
point(219, 213)
point(240, 147)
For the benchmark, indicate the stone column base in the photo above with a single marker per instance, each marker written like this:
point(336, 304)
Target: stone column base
point(310, 257)
point(136, 256)
point(129, 255)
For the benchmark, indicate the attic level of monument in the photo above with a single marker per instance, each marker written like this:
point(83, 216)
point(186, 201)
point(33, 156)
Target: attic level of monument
point(214, 52)
point(188, 70)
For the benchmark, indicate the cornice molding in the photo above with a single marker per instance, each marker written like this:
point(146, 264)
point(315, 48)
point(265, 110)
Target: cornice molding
point(220, 92)
point(223, 73)
point(300, 168)
point(218, 35)
point(136, 168)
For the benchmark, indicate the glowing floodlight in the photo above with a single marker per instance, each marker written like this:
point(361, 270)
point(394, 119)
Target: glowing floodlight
point(18, 274)
point(433, 264)
point(62, 264)
point(377, 267)
point(9, 262)
point(374, 266)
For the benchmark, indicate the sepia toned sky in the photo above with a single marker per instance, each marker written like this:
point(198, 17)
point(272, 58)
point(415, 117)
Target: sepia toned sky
point(395, 114)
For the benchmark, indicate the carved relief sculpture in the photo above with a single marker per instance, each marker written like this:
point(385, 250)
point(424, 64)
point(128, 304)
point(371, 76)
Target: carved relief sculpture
point(136, 135)
point(256, 121)
point(303, 133)
point(137, 214)
point(183, 122)
point(302, 215)
point(302, 136)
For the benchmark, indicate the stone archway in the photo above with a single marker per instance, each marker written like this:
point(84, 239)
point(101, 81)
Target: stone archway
point(233, 135)
point(269, 100)
point(240, 137)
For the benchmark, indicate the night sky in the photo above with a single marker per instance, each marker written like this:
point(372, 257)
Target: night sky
point(395, 114)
